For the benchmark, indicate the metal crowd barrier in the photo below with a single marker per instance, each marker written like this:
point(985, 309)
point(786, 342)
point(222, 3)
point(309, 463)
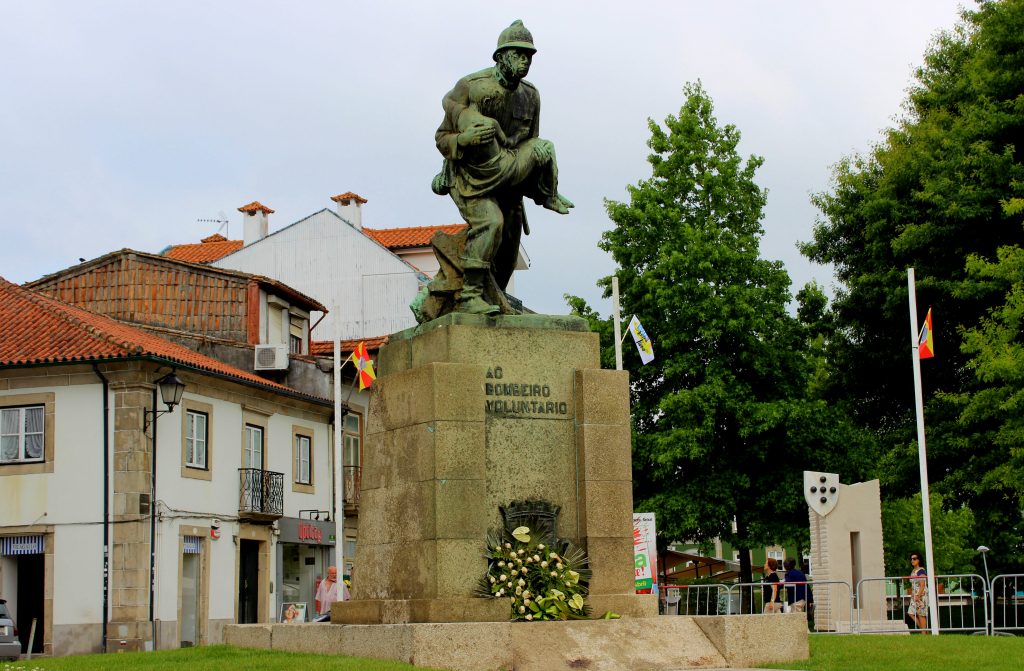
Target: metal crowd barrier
point(829, 607)
point(704, 599)
point(883, 604)
point(878, 605)
point(1007, 603)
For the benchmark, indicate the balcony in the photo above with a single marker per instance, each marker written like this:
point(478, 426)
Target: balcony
point(260, 494)
point(353, 482)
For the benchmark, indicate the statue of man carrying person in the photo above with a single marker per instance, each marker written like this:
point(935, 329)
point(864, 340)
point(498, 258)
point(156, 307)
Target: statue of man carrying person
point(493, 157)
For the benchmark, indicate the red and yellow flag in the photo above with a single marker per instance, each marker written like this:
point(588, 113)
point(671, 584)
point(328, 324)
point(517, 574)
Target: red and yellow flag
point(364, 365)
point(925, 342)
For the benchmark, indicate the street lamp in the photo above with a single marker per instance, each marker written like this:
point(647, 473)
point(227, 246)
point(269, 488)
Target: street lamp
point(171, 388)
point(984, 551)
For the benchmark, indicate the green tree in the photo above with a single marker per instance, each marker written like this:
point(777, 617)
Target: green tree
point(930, 196)
point(903, 533)
point(723, 427)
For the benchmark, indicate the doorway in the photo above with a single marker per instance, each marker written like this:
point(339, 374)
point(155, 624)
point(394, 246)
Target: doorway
point(248, 581)
point(29, 603)
point(190, 594)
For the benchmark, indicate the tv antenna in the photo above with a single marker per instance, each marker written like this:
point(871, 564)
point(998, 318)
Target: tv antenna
point(222, 220)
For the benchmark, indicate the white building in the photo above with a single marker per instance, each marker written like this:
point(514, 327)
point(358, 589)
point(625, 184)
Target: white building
point(227, 508)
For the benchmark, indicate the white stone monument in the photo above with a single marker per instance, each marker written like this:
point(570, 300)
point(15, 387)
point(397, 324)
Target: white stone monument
point(846, 546)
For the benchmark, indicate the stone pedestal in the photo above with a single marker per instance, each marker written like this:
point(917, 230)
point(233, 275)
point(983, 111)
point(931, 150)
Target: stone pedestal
point(470, 413)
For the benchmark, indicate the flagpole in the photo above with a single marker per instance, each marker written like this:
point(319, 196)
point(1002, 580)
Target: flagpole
point(617, 321)
point(339, 504)
point(933, 608)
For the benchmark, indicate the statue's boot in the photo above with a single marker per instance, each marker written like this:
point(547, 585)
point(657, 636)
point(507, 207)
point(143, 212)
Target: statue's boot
point(472, 298)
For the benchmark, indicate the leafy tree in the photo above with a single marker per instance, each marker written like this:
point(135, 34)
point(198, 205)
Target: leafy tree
point(930, 195)
point(723, 424)
point(903, 531)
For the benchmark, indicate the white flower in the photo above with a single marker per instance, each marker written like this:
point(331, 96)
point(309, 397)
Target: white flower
point(543, 564)
point(522, 534)
point(519, 591)
point(536, 557)
point(554, 575)
point(509, 583)
point(521, 552)
point(503, 577)
point(526, 594)
point(540, 546)
point(525, 600)
point(522, 583)
point(522, 609)
point(492, 579)
point(500, 592)
point(559, 566)
point(508, 546)
point(515, 572)
point(529, 616)
point(501, 564)
point(552, 555)
point(523, 570)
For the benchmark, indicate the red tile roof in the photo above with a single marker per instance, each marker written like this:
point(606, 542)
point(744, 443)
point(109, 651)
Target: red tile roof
point(209, 250)
point(326, 347)
point(413, 236)
point(255, 206)
point(343, 198)
point(35, 329)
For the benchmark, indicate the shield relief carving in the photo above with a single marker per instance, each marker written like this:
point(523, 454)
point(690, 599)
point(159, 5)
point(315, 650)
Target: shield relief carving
point(821, 491)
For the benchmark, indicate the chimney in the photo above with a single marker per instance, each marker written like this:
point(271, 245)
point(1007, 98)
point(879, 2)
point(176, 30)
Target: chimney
point(350, 208)
point(254, 224)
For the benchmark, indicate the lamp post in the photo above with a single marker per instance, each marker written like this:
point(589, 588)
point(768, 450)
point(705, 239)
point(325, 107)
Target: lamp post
point(984, 551)
point(171, 389)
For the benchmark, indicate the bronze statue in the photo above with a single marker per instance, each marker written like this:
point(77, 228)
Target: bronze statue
point(493, 157)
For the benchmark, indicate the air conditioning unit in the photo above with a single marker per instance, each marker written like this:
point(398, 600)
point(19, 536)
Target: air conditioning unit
point(271, 357)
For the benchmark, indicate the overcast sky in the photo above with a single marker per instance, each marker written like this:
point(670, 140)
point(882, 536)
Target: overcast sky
point(123, 123)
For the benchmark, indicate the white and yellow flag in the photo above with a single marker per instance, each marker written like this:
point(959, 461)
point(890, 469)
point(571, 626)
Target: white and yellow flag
point(643, 343)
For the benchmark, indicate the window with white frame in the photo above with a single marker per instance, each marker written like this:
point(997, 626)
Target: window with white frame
point(195, 439)
point(21, 434)
point(777, 554)
point(303, 459)
point(253, 454)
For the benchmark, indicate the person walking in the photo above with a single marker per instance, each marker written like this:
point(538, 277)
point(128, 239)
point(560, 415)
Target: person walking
point(772, 596)
point(796, 587)
point(329, 591)
point(918, 609)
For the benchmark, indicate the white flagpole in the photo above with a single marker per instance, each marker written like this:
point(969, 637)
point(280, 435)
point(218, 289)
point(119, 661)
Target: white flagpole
point(339, 427)
point(933, 607)
point(617, 320)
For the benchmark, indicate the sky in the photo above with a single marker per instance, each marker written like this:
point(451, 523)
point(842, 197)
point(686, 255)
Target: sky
point(124, 124)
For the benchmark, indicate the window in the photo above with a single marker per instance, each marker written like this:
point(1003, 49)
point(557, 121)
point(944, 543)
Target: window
point(21, 434)
point(195, 439)
point(353, 439)
point(296, 333)
point(253, 450)
point(303, 465)
point(302, 460)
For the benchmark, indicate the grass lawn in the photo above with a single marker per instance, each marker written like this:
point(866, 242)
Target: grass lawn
point(828, 653)
point(912, 653)
point(208, 658)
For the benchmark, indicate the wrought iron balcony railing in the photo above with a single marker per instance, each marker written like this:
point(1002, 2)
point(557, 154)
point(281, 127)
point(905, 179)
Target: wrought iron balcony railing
point(260, 492)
